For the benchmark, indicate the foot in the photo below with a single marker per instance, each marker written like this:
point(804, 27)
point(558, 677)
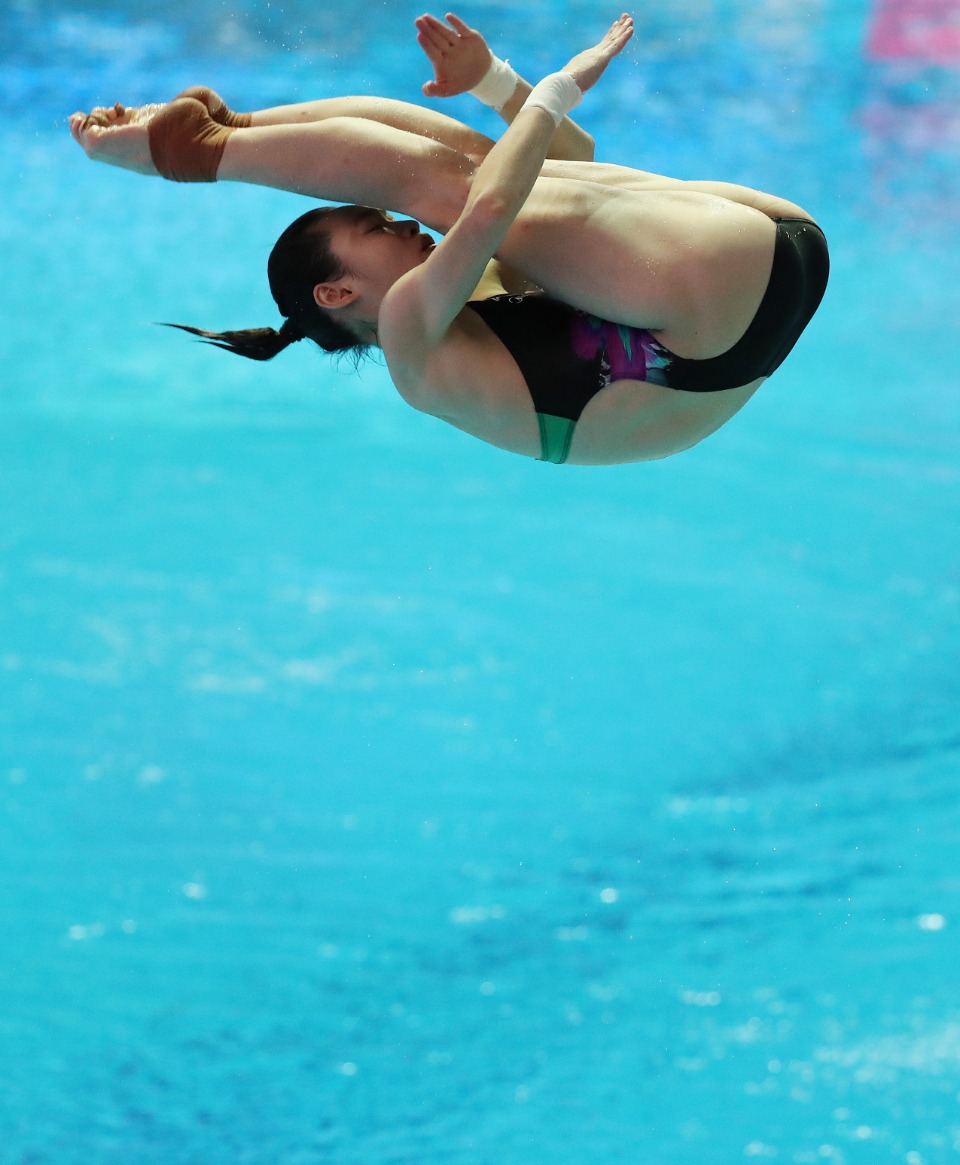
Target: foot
point(118, 135)
point(180, 140)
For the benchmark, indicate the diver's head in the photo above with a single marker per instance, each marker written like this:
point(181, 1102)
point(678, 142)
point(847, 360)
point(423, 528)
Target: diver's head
point(328, 274)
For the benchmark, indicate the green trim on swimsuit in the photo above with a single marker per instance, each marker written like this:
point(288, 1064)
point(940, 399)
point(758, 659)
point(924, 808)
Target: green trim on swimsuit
point(556, 433)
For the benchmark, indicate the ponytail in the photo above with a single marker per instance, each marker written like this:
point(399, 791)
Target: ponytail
point(254, 343)
point(300, 259)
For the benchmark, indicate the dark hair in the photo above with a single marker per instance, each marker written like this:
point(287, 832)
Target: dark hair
point(301, 258)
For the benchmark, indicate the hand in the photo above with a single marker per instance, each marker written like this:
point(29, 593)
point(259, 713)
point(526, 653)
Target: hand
point(459, 55)
point(587, 67)
point(117, 135)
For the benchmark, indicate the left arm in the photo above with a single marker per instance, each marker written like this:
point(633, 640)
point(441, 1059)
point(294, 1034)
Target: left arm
point(419, 309)
point(421, 306)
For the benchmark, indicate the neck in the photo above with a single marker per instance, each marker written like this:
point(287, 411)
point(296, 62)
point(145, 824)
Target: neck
point(353, 316)
point(366, 331)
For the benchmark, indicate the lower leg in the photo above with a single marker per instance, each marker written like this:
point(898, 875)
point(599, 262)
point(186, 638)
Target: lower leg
point(400, 115)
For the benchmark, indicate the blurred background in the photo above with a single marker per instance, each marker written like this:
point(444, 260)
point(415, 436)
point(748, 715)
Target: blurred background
point(369, 795)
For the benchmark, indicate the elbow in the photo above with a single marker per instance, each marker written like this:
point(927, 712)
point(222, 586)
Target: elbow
point(419, 396)
point(412, 393)
point(585, 148)
point(576, 147)
point(489, 208)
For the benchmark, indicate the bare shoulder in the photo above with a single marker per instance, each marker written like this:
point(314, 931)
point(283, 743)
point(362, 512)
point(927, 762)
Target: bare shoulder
point(402, 332)
point(439, 378)
point(418, 356)
point(467, 378)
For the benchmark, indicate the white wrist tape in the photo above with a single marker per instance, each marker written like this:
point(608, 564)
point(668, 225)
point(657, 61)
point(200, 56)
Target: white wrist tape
point(557, 94)
point(497, 84)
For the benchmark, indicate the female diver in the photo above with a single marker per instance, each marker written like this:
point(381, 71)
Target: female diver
point(668, 302)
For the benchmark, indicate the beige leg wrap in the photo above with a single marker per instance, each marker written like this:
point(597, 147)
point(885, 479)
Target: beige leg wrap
point(186, 144)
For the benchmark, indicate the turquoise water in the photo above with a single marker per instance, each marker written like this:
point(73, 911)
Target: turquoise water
point(372, 796)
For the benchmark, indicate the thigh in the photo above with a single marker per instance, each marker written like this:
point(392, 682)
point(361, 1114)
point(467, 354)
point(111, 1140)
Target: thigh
point(631, 420)
point(677, 263)
point(600, 249)
point(619, 177)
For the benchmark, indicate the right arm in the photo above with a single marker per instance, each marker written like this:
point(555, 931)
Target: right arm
point(429, 298)
point(570, 142)
point(460, 57)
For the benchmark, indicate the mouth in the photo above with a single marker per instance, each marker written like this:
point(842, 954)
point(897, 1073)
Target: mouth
point(426, 242)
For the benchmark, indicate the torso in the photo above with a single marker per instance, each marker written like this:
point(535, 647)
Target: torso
point(688, 265)
point(474, 383)
point(472, 364)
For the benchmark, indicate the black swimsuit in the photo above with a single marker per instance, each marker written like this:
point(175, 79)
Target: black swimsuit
point(567, 356)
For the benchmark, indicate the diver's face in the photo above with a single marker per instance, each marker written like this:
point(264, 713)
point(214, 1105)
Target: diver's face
point(376, 248)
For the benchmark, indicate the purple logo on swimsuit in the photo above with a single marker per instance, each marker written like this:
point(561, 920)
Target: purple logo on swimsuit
point(629, 353)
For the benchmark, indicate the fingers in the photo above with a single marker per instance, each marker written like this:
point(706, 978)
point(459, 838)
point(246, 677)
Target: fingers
point(621, 30)
point(617, 37)
point(588, 67)
point(446, 35)
point(435, 32)
point(457, 24)
point(430, 45)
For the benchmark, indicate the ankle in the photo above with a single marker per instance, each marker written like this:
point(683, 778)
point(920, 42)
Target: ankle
point(186, 144)
point(218, 109)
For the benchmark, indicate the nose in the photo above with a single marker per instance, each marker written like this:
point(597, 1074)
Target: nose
point(409, 227)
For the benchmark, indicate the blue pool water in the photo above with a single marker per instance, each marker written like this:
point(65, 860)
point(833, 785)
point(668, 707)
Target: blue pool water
point(372, 796)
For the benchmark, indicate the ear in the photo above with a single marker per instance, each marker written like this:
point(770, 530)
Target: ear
point(333, 295)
